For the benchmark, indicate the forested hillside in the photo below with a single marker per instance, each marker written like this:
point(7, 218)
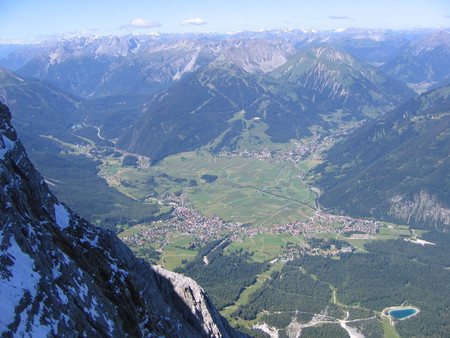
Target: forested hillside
point(396, 167)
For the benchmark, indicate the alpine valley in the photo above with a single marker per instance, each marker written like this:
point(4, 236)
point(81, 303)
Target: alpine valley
point(301, 178)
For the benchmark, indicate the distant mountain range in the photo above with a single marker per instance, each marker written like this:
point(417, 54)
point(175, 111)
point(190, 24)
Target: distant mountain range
point(228, 105)
point(100, 66)
point(161, 95)
point(423, 63)
point(96, 67)
point(396, 167)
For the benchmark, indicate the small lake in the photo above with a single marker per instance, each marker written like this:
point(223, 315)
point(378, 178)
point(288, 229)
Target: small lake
point(402, 313)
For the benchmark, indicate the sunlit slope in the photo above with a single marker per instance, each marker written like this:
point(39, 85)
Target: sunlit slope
point(357, 88)
point(224, 107)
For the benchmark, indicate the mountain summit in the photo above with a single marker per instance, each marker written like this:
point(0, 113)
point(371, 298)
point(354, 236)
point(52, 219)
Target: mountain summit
point(61, 276)
point(353, 85)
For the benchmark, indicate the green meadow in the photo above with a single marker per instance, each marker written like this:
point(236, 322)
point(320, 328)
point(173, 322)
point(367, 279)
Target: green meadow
point(246, 190)
point(265, 246)
point(255, 192)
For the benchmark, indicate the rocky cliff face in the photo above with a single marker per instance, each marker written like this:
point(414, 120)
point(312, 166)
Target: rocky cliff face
point(257, 56)
point(61, 276)
point(421, 208)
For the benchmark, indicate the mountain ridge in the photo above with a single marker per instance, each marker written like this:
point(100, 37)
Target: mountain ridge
point(341, 77)
point(423, 63)
point(224, 107)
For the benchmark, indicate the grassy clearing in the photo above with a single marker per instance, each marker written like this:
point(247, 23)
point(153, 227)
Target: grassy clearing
point(173, 256)
point(244, 296)
point(393, 233)
point(130, 231)
point(182, 241)
point(265, 246)
point(388, 329)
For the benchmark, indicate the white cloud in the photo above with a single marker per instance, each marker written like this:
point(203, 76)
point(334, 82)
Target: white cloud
point(193, 22)
point(141, 23)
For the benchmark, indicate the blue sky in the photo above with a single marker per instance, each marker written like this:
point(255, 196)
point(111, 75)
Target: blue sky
point(30, 20)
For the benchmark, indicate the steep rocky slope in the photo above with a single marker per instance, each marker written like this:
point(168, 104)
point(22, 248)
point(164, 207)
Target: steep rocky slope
point(100, 66)
point(60, 276)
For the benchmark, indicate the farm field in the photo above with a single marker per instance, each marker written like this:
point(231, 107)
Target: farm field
point(256, 193)
point(252, 192)
point(263, 211)
point(246, 190)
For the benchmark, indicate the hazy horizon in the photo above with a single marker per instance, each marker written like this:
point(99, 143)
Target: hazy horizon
point(28, 21)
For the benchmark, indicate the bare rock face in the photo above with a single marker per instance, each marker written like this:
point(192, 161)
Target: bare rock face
point(423, 207)
point(257, 56)
point(61, 276)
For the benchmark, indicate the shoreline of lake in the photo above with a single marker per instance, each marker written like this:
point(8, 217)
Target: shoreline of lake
point(387, 311)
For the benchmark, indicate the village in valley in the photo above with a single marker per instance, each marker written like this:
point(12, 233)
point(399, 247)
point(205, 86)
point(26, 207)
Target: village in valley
point(322, 233)
point(296, 154)
point(186, 220)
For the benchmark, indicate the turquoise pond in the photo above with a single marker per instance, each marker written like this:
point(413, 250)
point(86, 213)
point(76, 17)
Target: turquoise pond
point(402, 313)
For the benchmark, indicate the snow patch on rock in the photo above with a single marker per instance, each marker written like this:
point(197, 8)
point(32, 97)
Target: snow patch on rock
point(18, 281)
point(62, 216)
point(7, 146)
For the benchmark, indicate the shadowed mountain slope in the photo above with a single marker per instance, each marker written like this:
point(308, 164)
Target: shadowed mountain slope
point(60, 276)
point(396, 167)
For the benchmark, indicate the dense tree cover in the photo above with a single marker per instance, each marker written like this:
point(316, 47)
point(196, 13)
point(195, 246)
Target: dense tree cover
point(324, 331)
point(73, 178)
point(37, 107)
point(226, 274)
point(255, 333)
point(209, 178)
point(288, 290)
point(130, 161)
point(358, 313)
point(392, 273)
point(158, 184)
point(113, 114)
point(148, 253)
point(393, 158)
point(281, 319)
